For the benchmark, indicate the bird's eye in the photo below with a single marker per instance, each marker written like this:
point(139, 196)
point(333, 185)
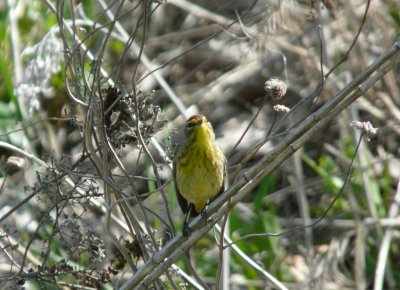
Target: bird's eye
point(190, 125)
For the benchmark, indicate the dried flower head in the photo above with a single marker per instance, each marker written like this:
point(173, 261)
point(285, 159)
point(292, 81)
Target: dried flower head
point(365, 127)
point(329, 4)
point(275, 88)
point(281, 108)
point(14, 164)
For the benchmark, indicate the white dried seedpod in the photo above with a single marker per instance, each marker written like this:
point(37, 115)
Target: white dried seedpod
point(281, 108)
point(275, 88)
point(365, 127)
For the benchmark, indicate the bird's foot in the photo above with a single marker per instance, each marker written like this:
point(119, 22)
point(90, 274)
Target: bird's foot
point(185, 229)
point(203, 213)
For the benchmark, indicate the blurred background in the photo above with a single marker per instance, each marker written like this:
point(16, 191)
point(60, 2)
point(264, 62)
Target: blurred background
point(93, 99)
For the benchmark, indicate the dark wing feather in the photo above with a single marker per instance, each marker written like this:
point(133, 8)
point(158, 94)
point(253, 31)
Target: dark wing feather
point(225, 178)
point(181, 200)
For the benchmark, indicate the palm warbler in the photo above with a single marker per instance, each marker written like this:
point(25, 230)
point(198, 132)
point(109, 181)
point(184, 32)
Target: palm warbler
point(199, 168)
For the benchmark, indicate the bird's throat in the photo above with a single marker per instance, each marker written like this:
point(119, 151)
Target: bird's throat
point(203, 137)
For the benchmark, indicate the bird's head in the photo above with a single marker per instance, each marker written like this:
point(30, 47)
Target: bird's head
point(199, 129)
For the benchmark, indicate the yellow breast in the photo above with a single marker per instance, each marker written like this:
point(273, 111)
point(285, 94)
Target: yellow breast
point(200, 175)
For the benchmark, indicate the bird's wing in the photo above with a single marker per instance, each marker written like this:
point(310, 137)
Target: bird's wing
point(181, 200)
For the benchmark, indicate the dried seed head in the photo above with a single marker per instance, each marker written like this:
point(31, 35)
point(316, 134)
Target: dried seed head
point(275, 88)
point(14, 164)
point(366, 127)
point(281, 108)
point(329, 4)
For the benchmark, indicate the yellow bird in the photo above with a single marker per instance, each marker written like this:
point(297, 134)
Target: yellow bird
point(199, 168)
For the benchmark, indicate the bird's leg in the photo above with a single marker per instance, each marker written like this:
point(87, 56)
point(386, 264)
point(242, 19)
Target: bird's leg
point(185, 229)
